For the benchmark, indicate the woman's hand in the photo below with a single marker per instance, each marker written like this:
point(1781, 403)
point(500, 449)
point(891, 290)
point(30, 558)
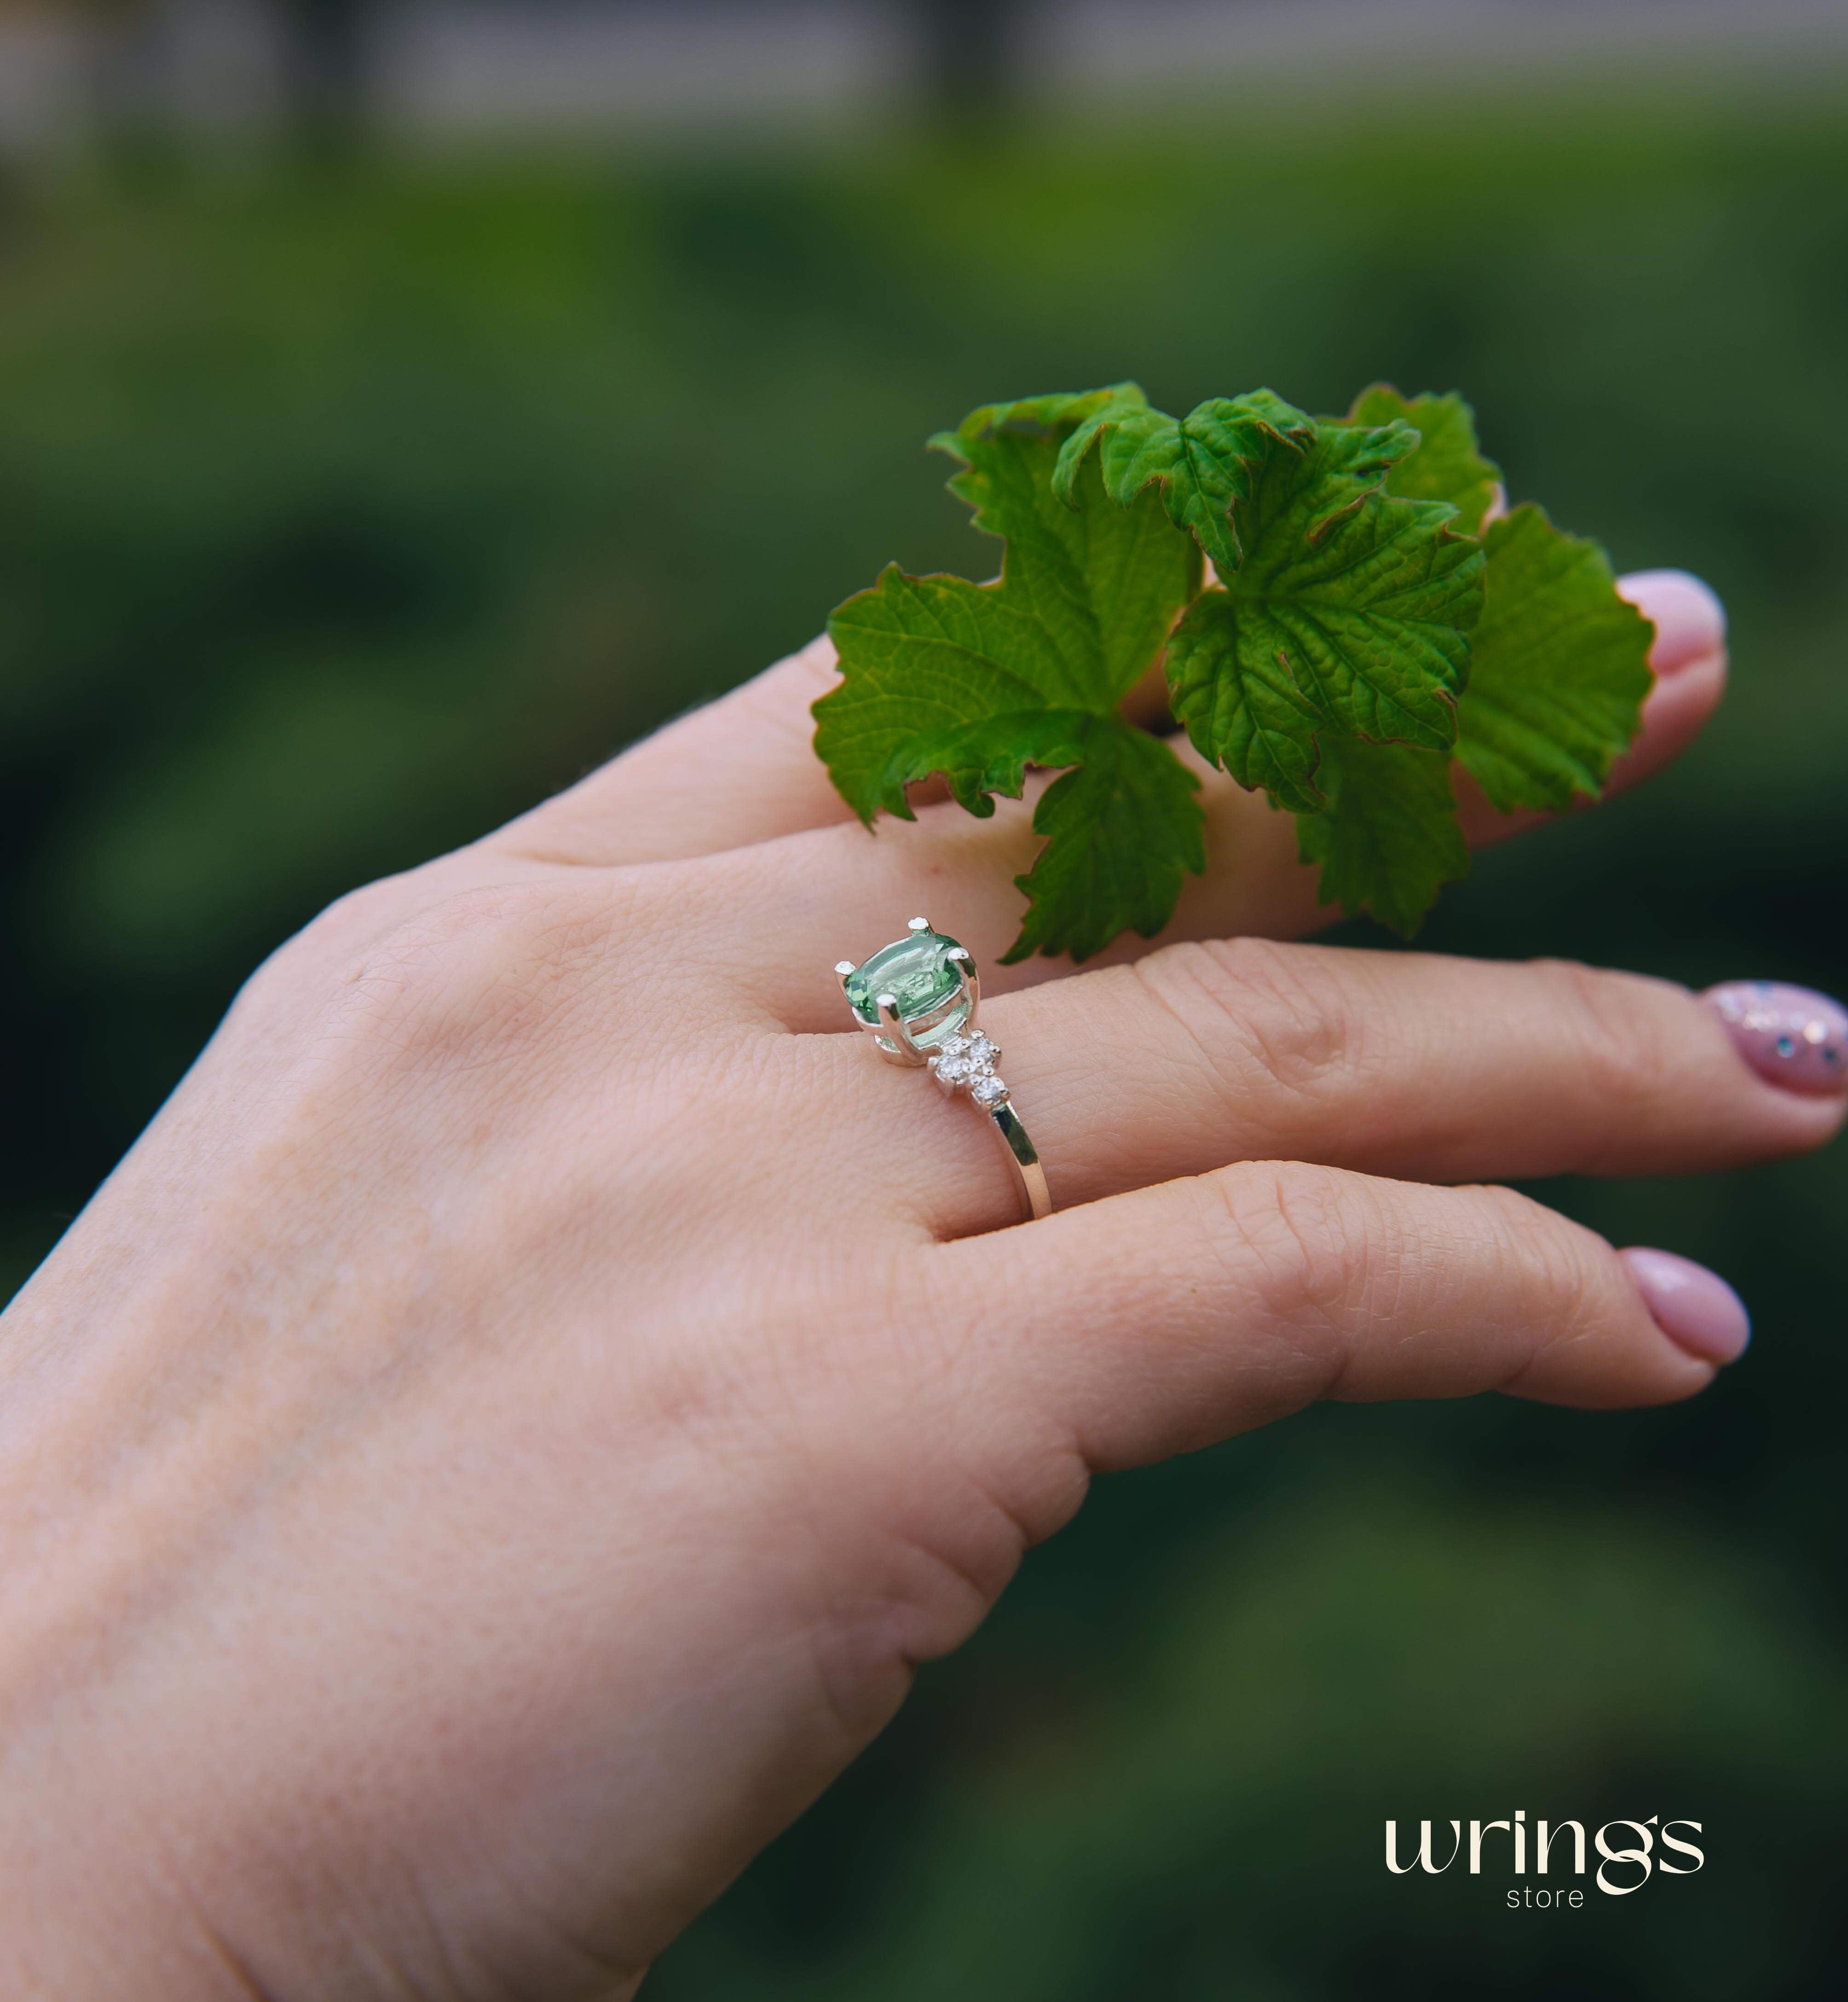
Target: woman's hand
point(503, 1438)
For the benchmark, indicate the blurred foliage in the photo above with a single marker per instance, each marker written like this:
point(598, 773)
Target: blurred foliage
point(348, 507)
point(1339, 1661)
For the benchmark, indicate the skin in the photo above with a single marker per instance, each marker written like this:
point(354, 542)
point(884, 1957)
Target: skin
point(503, 1438)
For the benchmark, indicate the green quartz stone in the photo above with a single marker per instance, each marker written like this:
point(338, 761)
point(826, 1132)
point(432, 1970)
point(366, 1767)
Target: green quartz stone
point(917, 972)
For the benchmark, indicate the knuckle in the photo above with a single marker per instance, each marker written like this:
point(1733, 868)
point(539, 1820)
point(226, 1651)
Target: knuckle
point(1572, 1267)
point(316, 960)
point(1551, 1275)
point(488, 970)
point(1297, 1237)
point(1301, 1256)
point(351, 922)
point(1257, 1009)
point(1617, 1051)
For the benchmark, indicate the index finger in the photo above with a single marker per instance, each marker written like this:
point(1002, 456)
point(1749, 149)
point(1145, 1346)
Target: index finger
point(741, 769)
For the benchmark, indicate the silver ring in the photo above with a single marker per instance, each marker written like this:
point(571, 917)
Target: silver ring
point(916, 999)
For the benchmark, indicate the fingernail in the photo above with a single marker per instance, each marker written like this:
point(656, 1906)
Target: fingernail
point(1694, 1308)
point(1792, 1035)
point(1689, 620)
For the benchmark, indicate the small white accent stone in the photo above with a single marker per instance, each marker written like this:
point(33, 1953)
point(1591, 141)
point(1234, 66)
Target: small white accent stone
point(982, 1051)
point(988, 1091)
point(954, 1070)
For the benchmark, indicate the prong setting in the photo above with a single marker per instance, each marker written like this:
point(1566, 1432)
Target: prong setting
point(916, 999)
point(897, 1038)
point(911, 995)
point(961, 957)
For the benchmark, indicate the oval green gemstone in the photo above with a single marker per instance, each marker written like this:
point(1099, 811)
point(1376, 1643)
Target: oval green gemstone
point(917, 971)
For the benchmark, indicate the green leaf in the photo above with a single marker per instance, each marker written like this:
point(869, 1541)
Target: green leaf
point(1349, 653)
point(1104, 583)
point(1390, 839)
point(1446, 466)
point(1203, 464)
point(925, 661)
point(1558, 670)
point(1347, 617)
point(979, 759)
point(1123, 829)
point(1004, 446)
point(1240, 704)
point(1560, 667)
point(978, 682)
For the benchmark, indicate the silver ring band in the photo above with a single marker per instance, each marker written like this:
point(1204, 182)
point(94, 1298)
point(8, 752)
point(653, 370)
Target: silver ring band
point(1030, 1177)
point(916, 999)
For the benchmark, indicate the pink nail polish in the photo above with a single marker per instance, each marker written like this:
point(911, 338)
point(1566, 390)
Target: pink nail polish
point(1689, 621)
point(1794, 1037)
point(1694, 1308)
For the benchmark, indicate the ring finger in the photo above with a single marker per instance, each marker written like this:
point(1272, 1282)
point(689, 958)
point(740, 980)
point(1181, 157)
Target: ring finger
point(1409, 1065)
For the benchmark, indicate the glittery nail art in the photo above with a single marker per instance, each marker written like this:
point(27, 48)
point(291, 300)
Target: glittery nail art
point(1792, 1036)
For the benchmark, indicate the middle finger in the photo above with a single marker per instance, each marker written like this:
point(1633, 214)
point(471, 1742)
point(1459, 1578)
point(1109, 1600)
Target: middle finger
point(838, 891)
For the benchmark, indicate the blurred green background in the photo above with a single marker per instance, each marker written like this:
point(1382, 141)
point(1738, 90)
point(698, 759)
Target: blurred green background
point(352, 500)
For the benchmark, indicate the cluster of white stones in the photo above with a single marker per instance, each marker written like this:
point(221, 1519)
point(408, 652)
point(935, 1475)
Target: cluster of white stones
point(968, 1063)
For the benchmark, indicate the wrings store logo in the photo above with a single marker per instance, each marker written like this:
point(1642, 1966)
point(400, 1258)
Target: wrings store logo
point(1625, 1866)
